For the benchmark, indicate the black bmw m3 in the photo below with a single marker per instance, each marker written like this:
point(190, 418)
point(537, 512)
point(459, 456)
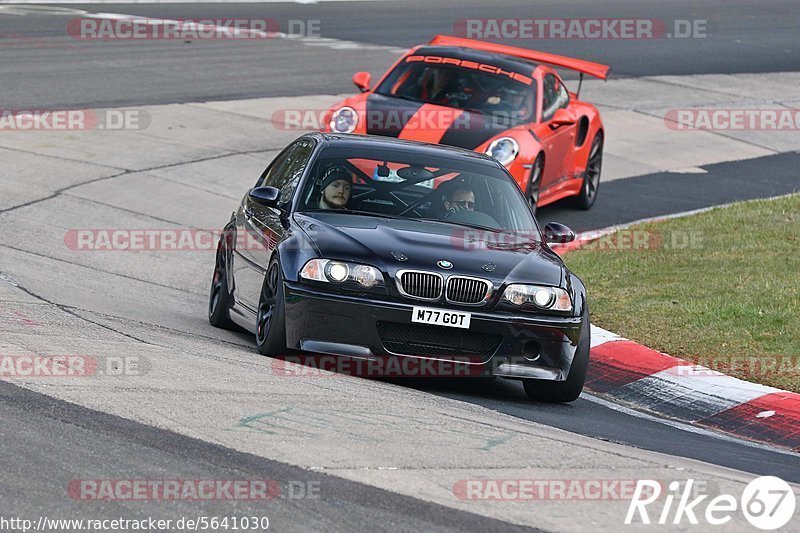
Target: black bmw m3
point(371, 247)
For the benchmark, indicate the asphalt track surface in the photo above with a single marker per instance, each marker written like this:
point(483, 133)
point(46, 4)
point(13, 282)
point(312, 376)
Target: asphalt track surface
point(89, 441)
point(661, 194)
point(59, 71)
point(52, 69)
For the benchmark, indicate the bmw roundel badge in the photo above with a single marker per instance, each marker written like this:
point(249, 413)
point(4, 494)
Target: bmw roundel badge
point(447, 265)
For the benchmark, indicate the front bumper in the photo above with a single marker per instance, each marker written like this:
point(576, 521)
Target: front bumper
point(539, 347)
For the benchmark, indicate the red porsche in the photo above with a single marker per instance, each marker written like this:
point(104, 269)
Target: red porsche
point(500, 100)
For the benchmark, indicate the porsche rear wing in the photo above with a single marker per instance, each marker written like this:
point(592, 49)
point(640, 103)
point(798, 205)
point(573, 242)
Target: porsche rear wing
point(579, 65)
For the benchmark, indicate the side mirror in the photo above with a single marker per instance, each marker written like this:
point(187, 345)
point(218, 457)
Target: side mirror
point(555, 233)
point(563, 117)
point(362, 79)
point(266, 196)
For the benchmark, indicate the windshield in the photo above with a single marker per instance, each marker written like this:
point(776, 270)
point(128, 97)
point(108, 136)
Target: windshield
point(402, 184)
point(489, 90)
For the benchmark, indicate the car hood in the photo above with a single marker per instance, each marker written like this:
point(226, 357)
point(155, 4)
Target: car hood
point(397, 117)
point(394, 244)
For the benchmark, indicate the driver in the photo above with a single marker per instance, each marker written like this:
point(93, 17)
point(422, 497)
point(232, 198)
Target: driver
point(461, 198)
point(335, 188)
point(441, 84)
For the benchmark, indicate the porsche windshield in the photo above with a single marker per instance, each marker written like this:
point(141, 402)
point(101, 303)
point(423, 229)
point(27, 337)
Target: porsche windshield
point(490, 91)
point(404, 184)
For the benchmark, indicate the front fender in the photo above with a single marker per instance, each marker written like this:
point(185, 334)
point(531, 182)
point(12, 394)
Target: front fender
point(294, 252)
point(529, 148)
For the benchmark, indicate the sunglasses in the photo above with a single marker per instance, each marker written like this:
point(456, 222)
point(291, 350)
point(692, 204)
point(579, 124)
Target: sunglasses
point(465, 204)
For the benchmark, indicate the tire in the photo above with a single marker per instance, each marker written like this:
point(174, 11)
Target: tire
point(570, 389)
point(271, 318)
point(219, 298)
point(533, 189)
point(591, 177)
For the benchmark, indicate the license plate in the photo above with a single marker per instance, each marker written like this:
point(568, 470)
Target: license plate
point(440, 317)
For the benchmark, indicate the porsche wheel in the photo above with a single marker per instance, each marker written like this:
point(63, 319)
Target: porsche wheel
point(219, 298)
point(270, 320)
point(534, 183)
point(591, 178)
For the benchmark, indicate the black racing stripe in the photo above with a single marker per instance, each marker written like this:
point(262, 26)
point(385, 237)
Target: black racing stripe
point(388, 116)
point(473, 129)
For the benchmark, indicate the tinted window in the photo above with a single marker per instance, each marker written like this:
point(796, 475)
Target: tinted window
point(288, 167)
point(488, 90)
point(554, 96)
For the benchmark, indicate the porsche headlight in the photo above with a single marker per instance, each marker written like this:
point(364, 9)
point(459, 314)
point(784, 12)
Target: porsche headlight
point(341, 272)
point(344, 120)
point(549, 298)
point(504, 149)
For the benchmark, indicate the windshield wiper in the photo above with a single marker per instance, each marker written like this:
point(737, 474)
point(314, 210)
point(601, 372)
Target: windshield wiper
point(395, 217)
point(474, 226)
point(352, 212)
point(421, 101)
point(401, 97)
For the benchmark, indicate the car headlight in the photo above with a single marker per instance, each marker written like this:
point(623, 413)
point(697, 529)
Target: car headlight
point(337, 272)
point(504, 149)
point(549, 298)
point(344, 120)
point(341, 272)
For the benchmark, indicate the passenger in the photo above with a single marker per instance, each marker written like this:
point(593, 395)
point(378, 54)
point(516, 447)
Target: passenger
point(335, 188)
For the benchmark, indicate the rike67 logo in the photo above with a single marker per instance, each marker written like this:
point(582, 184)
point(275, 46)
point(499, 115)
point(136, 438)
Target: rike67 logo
point(767, 503)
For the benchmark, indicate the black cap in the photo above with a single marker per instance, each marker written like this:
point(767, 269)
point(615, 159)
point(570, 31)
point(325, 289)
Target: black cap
point(334, 174)
point(449, 187)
